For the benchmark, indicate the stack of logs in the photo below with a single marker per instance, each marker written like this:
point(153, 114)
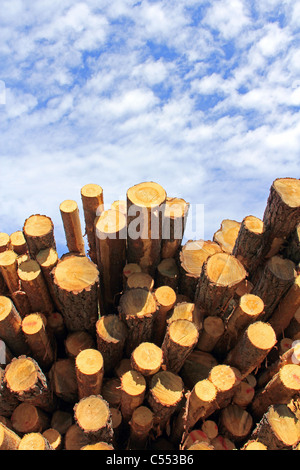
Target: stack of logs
point(144, 342)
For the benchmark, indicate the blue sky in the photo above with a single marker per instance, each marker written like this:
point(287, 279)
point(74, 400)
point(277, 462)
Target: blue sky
point(202, 97)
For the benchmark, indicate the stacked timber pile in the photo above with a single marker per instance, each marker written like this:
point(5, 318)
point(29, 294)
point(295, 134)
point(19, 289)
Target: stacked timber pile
point(144, 342)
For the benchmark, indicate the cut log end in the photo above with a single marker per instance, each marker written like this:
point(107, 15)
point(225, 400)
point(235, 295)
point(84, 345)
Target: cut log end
point(89, 362)
point(92, 413)
point(166, 388)
point(227, 235)
point(75, 273)
point(34, 441)
point(21, 375)
point(147, 358)
point(225, 270)
point(147, 194)
point(288, 190)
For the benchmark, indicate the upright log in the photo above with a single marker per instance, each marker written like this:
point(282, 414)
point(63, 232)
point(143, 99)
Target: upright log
point(143, 280)
point(77, 341)
point(9, 270)
point(129, 269)
point(111, 334)
point(89, 372)
point(227, 234)
point(38, 231)
point(40, 344)
point(18, 243)
point(147, 358)
point(34, 284)
point(213, 330)
point(174, 221)
point(11, 327)
point(47, 260)
point(8, 402)
point(93, 417)
point(54, 438)
point(4, 241)
point(167, 273)
point(72, 226)
point(165, 297)
point(63, 380)
point(292, 248)
point(249, 242)
point(141, 423)
point(286, 308)
point(225, 379)
point(92, 203)
point(133, 388)
point(145, 209)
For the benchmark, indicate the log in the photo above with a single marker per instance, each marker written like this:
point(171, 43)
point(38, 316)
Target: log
point(93, 417)
point(197, 367)
point(141, 279)
point(57, 331)
point(129, 269)
point(145, 209)
point(191, 259)
point(111, 391)
point(220, 276)
point(63, 380)
point(72, 226)
point(280, 390)
point(75, 438)
point(276, 279)
point(78, 341)
point(9, 270)
point(89, 372)
point(213, 330)
point(292, 248)
point(38, 232)
point(123, 366)
point(293, 329)
point(243, 395)
point(110, 230)
point(165, 297)
point(34, 441)
point(61, 421)
point(9, 440)
point(141, 423)
point(278, 429)
point(180, 339)
point(210, 428)
point(222, 443)
point(111, 334)
point(4, 242)
point(249, 242)
point(167, 273)
point(286, 309)
point(117, 425)
point(252, 348)
point(235, 423)
point(8, 402)
point(133, 388)
point(254, 445)
point(147, 358)
point(11, 327)
point(21, 302)
point(76, 284)
point(186, 311)
point(98, 446)
point(54, 438)
point(92, 203)
point(288, 357)
point(226, 381)
point(18, 243)
point(41, 347)
point(119, 205)
point(174, 222)
point(28, 418)
point(227, 234)
point(34, 285)
point(26, 381)
point(47, 260)
point(137, 309)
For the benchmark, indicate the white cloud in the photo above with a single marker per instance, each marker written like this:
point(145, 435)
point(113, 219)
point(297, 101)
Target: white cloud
point(229, 17)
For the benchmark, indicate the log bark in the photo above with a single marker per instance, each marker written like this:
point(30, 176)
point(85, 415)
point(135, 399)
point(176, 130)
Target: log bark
point(38, 232)
point(8, 402)
point(213, 330)
point(78, 341)
point(292, 248)
point(111, 391)
point(92, 203)
point(9, 270)
point(28, 418)
point(227, 234)
point(147, 358)
point(145, 210)
point(111, 334)
point(63, 380)
point(89, 366)
point(226, 380)
point(93, 417)
point(286, 308)
point(34, 284)
point(235, 423)
point(47, 260)
point(9, 440)
point(11, 327)
point(18, 243)
point(34, 441)
point(141, 423)
point(133, 388)
point(174, 221)
point(293, 329)
point(165, 297)
point(167, 273)
point(40, 344)
point(72, 226)
point(249, 242)
point(76, 284)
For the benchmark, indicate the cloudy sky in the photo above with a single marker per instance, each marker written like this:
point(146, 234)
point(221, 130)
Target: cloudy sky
point(202, 97)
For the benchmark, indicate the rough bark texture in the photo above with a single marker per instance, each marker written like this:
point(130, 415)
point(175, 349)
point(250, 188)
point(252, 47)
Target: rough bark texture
point(11, 327)
point(9, 270)
point(8, 402)
point(89, 372)
point(174, 221)
point(111, 334)
point(34, 284)
point(249, 242)
point(292, 248)
point(93, 417)
point(286, 308)
point(72, 226)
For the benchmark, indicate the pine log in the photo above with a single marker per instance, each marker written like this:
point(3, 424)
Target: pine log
point(210, 428)
point(143, 280)
point(129, 269)
point(11, 327)
point(41, 347)
point(89, 372)
point(220, 276)
point(92, 203)
point(28, 418)
point(133, 388)
point(141, 423)
point(34, 284)
point(280, 390)
point(186, 311)
point(72, 226)
point(167, 273)
point(137, 309)
point(93, 417)
point(34, 441)
point(194, 439)
point(227, 234)
point(197, 367)
point(111, 334)
point(213, 330)
point(235, 423)
point(243, 395)
point(248, 243)
point(292, 248)
point(147, 358)
point(282, 346)
point(57, 332)
point(38, 232)
point(110, 231)
point(293, 329)
point(291, 356)
point(9, 270)
point(75, 438)
point(111, 391)
point(165, 297)
point(123, 366)
point(200, 446)
point(278, 429)
point(18, 243)
point(9, 440)
point(119, 205)
point(226, 381)
point(26, 381)
point(254, 445)
point(252, 348)
point(117, 425)
point(54, 438)
point(145, 209)
point(76, 284)
point(4, 242)
point(276, 279)
point(78, 341)
point(8, 402)
point(47, 260)
point(191, 259)
point(174, 221)
point(281, 214)
point(180, 339)
point(61, 421)
point(286, 308)
point(63, 380)
point(21, 302)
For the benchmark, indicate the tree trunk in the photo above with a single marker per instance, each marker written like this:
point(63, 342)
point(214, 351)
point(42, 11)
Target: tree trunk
point(18, 243)
point(63, 380)
point(174, 221)
point(47, 260)
point(141, 423)
point(34, 284)
point(292, 248)
point(89, 366)
point(9, 270)
point(38, 231)
point(111, 334)
point(165, 297)
point(11, 327)
point(133, 388)
point(72, 226)
point(41, 347)
point(249, 242)
point(92, 203)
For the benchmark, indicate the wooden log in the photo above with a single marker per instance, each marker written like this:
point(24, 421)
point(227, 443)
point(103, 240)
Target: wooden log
point(18, 243)
point(9, 440)
point(119, 205)
point(54, 438)
point(197, 367)
point(252, 348)
point(57, 332)
point(174, 222)
point(11, 327)
point(186, 311)
point(147, 358)
point(278, 429)
point(225, 380)
point(249, 242)
point(191, 259)
point(47, 260)
point(141, 279)
point(93, 417)
point(89, 372)
point(8, 402)
point(282, 213)
point(75, 438)
point(165, 297)
point(167, 273)
point(282, 346)
point(129, 269)
point(110, 231)
point(165, 394)
point(111, 391)
point(280, 390)
point(41, 347)
point(76, 284)
point(28, 418)
point(34, 284)
point(137, 309)
point(197, 440)
point(111, 334)
point(276, 279)
point(123, 366)
point(180, 339)
point(34, 441)
point(21, 302)
point(98, 446)
point(63, 380)
point(78, 341)
point(4, 242)
point(290, 356)
point(133, 388)
point(235, 423)
point(213, 330)
point(145, 209)
point(254, 445)
point(293, 329)
point(93, 206)
point(222, 443)
point(117, 425)
point(72, 226)
point(38, 232)
point(227, 234)
point(141, 423)
point(292, 248)
point(26, 381)
point(210, 428)
point(286, 308)
point(243, 395)
point(61, 421)
point(9, 270)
